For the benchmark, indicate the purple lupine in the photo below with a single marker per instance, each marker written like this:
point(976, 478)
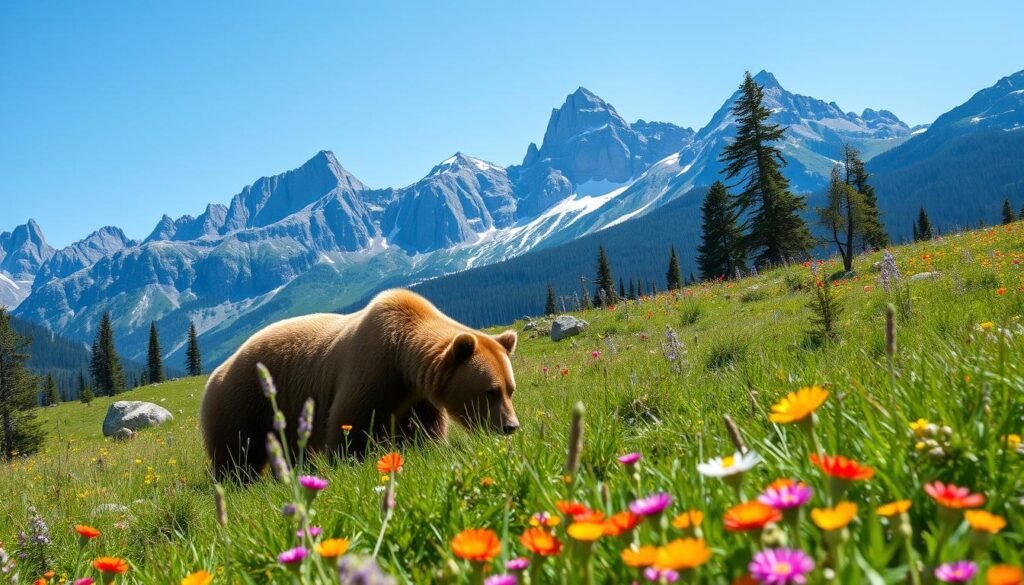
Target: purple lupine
point(277, 461)
point(34, 544)
point(305, 428)
point(266, 381)
point(890, 272)
point(673, 347)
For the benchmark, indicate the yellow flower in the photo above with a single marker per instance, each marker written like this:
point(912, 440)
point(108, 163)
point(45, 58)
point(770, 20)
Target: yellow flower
point(1011, 441)
point(682, 554)
point(198, 578)
point(688, 519)
point(986, 326)
point(332, 548)
point(829, 519)
point(919, 427)
point(798, 405)
point(640, 557)
point(586, 531)
point(982, 521)
point(893, 508)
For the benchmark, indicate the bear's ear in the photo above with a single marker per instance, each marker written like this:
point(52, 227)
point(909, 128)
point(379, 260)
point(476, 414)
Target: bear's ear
point(508, 340)
point(462, 347)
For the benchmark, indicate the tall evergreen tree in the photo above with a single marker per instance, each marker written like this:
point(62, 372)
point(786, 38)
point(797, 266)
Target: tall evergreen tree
point(82, 384)
point(193, 359)
point(924, 226)
point(674, 276)
point(843, 216)
point(107, 373)
point(604, 279)
point(21, 432)
point(549, 302)
point(50, 394)
point(776, 230)
point(872, 232)
point(155, 362)
point(1008, 216)
point(721, 251)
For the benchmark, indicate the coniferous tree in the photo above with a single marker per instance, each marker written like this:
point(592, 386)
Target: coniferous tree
point(1020, 213)
point(674, 276)
point(843, 216)
point(916, 236)
point(872, 232)
point(720, 252)
point(107, 373)
point(193, 360)
point(549, 302)
point(604, 279)
point(622, 289)
point(155, 362)
point(50, 394)
point(82, 384)
point(1008, 216)
point(20, 432)
point(776, 230)
point(924, 226)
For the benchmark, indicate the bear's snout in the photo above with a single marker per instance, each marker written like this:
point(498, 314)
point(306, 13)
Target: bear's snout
point(511, 427)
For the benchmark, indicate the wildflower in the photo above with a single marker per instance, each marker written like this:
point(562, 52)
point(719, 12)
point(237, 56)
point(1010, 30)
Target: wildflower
point(312, 532)
point(643, 556)
point(487, 482)
point(572, 457)
point(517, 564)
point(798, 406)
point(332, 548)
point(277, 460)
point(361, 570)
point(110, 567)
point(595, 354)
point(893, 508)
point(983, 521)
point(841, 468)
point(293, 557)
point(305, 428)
point(501, 580)
point(543, 519)
point(621, 523)
point(630, 459)
point(198, 578)
point(84, 581)
point(313, 485)
point(540, 542)
point(1001, 291)
point(682, 554)
point(1004, 575)
point(652, 505)
point(289, 510)
point(572, 509)
point(732, 465)
point(1011, 441)
point(266, 381)
point(952, 496)
point(688, 520)
point(956, 572)
point(781, 566)
point(661, 576)
point(750, 516)
point(346, 429)
point(786, 494)
point(390, 463)
point(919, 427)
point(831, 519)
point(85, 533)
point(478, 545)
point(585, 531)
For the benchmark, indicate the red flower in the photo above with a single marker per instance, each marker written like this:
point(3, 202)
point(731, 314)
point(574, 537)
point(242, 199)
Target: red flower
point(953, 496)
point(841, 468)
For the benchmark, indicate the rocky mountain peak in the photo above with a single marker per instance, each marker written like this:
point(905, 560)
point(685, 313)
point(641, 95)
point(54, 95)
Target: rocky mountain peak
point(23, 250)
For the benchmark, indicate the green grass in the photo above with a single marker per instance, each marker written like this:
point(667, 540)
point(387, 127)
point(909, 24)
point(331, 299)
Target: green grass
point(745, 344)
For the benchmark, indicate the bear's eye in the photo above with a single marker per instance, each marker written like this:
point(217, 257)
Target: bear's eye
point(494, 393)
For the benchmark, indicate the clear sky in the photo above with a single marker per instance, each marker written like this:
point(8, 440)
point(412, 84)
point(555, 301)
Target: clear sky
point(114, 113)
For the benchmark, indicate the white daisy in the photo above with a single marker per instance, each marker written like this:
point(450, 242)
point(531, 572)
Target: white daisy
point(730, 465)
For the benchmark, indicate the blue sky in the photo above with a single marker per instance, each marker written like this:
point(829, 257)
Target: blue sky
point(118, 112)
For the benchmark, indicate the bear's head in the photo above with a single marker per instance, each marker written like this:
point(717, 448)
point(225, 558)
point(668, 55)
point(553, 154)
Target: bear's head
point(480, 386)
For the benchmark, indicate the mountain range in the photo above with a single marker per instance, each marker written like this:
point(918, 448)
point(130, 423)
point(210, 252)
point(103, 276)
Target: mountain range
point(317, 238)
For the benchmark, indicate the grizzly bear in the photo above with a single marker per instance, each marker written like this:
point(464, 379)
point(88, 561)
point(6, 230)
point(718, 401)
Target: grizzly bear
point(395, 368)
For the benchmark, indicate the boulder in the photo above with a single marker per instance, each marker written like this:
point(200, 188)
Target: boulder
point(925, 275)
point(122, 434)
point(567, 326)
point(133, 415)
point(110, 509)
point(530, 326)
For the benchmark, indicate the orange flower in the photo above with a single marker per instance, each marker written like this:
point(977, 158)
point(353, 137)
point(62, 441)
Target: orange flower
point(346, 428)
point(746, 579)
point(112, 565)
point(86, 532)
point(893, 508)
point(829, 519)
point(840, 467)
point(390, 463)
point(332, 548)
point(621, 523)
point(682, 554)
point(1001, 291)
point(640, 557)
point(478, 545)
point(540, 542)
point(487, 481)
point(1004, 575)
point(198, 578)
point(571, 509)
point(688, 519)
point(589, 516)
point(752, 515)
point(798, 405)
point(953, 496)
point(586, 531)
point(982, 521)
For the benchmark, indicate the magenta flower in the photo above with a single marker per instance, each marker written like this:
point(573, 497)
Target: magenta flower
point(651, 505)
point(84, 581)
point(781, 566)
point(787, 495)
point(517, 564)
point(313, 483)
point(595, 354)
point(630, 459)
point(664, 576)
point(956, 572)
point(314, 531)
point(501, 580)
point(293, 557)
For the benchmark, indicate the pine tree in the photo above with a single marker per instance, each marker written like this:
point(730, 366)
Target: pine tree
point(843, 216)
point(21, 432)
point(674, 276)
point(155, 363)
point(83, 387)
point(924, 226)
point(917, 236)
point(107, 373)
point(549, 303)
point(1008, 216)
point(193, 360)
point(632, 290)
point(776, 230)
point(604, 279)
point(50, 394)
point(873, 232)
point(720, 252)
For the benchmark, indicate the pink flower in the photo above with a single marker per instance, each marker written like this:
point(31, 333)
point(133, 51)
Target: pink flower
point(781, 566)
point(84, 581)
point(957, 572)
point(313, 483)
point(595, 354)
point(517, 564)
point(501, 580)
point(314, 531)
point(651, 505)
point(293, 556)
point(630, 459)
point(664, 576)
point(785, 495)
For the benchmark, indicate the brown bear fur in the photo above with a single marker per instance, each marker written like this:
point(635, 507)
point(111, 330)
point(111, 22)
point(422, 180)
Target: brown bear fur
point(396, 367)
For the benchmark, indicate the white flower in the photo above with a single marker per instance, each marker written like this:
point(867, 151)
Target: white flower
point(731, 465)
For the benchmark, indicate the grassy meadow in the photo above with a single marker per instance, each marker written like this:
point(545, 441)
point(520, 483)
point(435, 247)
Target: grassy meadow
point(656, 377)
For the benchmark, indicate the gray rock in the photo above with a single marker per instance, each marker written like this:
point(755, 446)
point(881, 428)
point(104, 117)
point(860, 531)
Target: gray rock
point(530, 326)
point(133, 415)
point(567, 326)
point(925, 275)
point(109, 509)
point(122, 434)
